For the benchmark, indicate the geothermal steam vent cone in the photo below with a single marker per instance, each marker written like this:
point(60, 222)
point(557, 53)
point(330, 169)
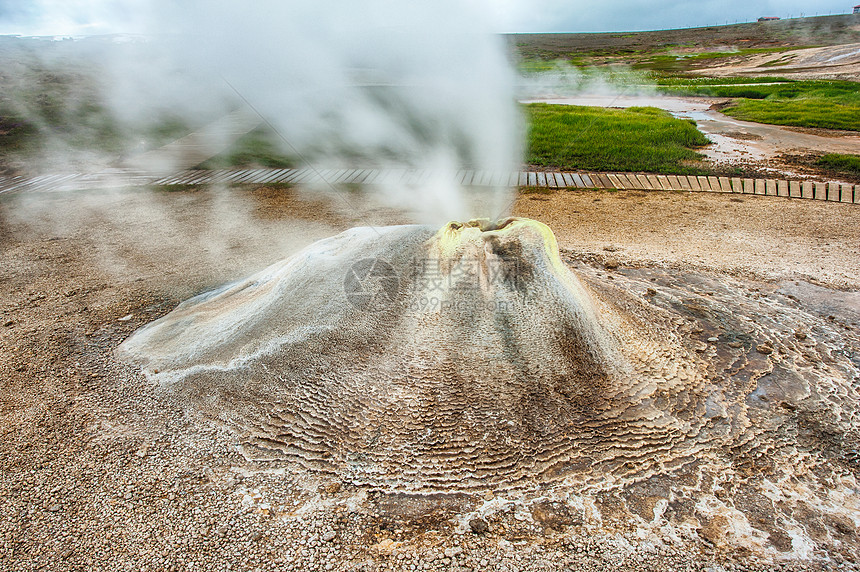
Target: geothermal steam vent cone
point(407, 356)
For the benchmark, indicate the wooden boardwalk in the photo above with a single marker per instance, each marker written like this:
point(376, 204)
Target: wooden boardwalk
point(830, 191)
point(826, 191)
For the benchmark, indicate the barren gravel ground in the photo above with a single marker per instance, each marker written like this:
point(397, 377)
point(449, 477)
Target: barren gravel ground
point(780, 239)
point(101, 472)
point(831, 62)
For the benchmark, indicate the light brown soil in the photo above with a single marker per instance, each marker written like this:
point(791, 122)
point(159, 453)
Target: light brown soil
point(101, 472)
point(770, 238)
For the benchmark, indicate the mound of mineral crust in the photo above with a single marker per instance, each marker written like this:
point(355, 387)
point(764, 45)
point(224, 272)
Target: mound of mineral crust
point(465, 357)
point(472, 357)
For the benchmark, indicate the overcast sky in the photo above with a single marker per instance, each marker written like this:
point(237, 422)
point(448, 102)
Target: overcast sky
point(87, 17)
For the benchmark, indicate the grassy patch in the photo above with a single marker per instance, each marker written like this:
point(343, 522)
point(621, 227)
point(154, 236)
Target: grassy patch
point(595, 138)
point(848, 164)
point(46, 115)
point(566, 77)
point(763, 88)
point(800, 112)
point(536, 66)
point(667, 81)
point(536, 191)
point(814, 103)
point(59, 107)
point(259, 148)
point(807, 112)
point(17, 135)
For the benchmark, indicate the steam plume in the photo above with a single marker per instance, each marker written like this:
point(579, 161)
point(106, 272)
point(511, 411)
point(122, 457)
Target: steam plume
point(374, 84)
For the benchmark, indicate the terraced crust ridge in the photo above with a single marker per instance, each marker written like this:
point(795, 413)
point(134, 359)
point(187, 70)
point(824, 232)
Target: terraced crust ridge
point(490, 364)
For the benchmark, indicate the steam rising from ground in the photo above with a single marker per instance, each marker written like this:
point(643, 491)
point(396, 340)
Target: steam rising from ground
point(561, 79)
point(376, 84)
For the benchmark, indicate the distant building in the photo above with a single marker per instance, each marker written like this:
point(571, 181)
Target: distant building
point(857, 9)
point(769, 18)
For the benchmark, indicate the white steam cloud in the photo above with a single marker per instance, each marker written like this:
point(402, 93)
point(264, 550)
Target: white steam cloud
point(376, 84)
point(561, 79)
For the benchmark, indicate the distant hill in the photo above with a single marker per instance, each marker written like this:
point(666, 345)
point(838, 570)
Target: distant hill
point(813, 31)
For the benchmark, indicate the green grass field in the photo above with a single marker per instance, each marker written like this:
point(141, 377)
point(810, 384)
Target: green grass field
point(828, 104)
point(846, 164)
point(759, 88)
point(666, 81)
point(808, 111)
point(261, 147)
point(61, 118)
point(595, 138)
point(779, 101)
